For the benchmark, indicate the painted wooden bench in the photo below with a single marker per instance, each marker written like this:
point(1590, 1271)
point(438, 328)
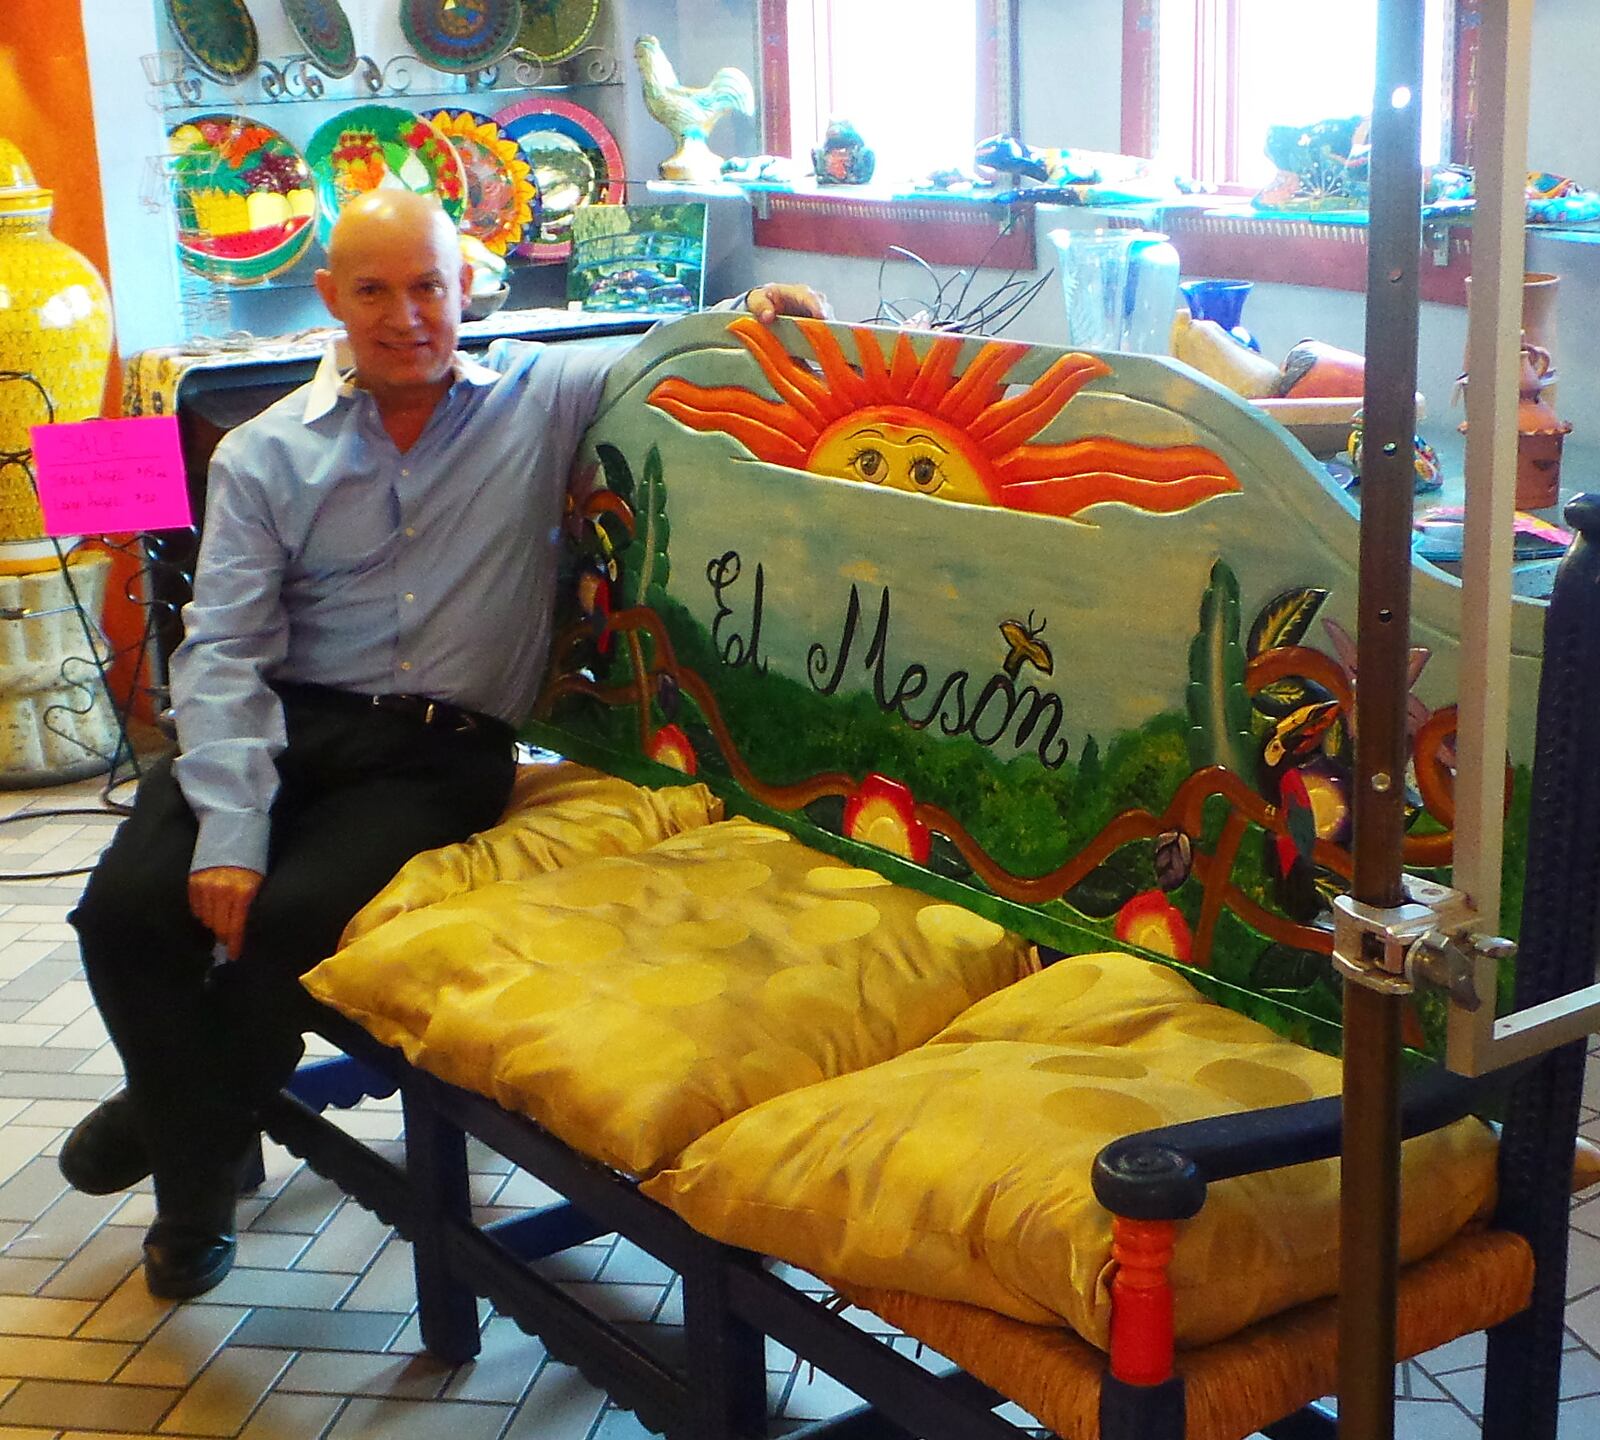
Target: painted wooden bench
point(1064, 640)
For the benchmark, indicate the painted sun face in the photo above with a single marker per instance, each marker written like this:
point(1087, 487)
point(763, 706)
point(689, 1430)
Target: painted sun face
point(907, 421)
point(902, 450)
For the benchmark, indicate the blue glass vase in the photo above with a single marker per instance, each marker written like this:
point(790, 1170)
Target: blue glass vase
point(1222, 301)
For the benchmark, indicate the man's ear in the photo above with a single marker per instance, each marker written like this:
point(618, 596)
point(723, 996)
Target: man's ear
point(466, 284)
point(328, 291)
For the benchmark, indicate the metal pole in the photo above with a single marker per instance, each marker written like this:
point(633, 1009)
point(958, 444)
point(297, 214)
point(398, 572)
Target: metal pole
point(1370, 1166)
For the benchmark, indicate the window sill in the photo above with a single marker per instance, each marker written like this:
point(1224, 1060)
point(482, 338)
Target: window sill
point(864, 221)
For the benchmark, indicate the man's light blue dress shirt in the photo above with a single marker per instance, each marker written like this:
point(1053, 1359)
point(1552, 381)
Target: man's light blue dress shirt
point(329, 557)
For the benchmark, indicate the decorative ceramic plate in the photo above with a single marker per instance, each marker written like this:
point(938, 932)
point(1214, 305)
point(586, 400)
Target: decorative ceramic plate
point(324, 29)
point(502, 202)
point(460, 35)
point(553, 29)
point(218, 35)
point(575, 161)
point(377, 147)
point(244, 198)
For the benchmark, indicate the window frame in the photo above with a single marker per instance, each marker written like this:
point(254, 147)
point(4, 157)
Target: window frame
point(839, 220)
point(1141, 21)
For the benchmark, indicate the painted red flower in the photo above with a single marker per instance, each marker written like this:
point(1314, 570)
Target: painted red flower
point(670, 746)
point(1153, 922)
point(883, 812)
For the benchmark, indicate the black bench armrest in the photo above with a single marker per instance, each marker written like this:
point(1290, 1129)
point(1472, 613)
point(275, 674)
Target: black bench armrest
point(1162, 1174)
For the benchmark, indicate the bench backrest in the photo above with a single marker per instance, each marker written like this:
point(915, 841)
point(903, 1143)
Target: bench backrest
point(1066, 638)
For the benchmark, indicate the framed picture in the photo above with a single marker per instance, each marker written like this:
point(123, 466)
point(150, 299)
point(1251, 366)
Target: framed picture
point(638, 257)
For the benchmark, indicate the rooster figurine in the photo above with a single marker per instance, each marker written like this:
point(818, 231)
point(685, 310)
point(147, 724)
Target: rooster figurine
point(689, 113)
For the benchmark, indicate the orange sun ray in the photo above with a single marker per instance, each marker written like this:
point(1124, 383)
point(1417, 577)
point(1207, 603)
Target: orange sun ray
point(873, 371)
point(979, 388)
point(760, 426)
point(850, 392)
point(801, 389)
point(904, 367)
point(931, 386)
point(1008, 423)
point(1066, 495)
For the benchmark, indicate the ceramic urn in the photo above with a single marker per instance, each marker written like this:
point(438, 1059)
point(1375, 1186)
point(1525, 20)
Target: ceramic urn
point(55, 325)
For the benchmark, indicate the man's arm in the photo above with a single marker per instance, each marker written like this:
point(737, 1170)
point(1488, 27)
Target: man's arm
point(230, 723)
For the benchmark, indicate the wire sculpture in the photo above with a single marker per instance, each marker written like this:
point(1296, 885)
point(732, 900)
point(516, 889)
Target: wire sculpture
point(952, 307)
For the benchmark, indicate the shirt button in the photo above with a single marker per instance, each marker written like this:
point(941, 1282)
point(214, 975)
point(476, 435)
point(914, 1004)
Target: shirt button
point(405, 474)
point(411, 532)
point(409, 597)
point(405, 664)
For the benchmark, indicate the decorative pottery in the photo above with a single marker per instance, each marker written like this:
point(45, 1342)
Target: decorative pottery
point(243, 196)
point(554, 29)
point(1315, 370)
point(575, 162)
point(1539, 293)
point(218, 35)
point(1222, 301)
point(1427, 472)
point(374, 147)
point(55, 324)
point(460, 36)
point(843, 158)
point(501, 201)
point(1541, 433)
point(324, 29)
point(690, 111)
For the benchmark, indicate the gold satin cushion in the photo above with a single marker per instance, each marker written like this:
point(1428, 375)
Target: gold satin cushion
point(630, 1004)
point(557, 814)
point(961, 1170)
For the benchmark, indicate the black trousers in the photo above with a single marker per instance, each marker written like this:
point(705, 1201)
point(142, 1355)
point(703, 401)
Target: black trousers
point(361, 791)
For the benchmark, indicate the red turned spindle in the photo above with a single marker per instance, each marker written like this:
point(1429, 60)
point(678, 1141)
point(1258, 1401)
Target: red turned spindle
point(1141, 1301)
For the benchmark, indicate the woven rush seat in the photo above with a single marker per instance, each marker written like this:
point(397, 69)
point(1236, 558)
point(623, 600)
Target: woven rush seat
point(631, 1002)
point(1235, 1386)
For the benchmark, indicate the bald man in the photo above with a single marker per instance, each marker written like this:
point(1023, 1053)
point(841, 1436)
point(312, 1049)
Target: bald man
point(370, 619)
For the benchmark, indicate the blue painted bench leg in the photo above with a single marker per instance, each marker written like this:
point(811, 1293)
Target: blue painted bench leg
point(727, 1356)
point(436, 1165)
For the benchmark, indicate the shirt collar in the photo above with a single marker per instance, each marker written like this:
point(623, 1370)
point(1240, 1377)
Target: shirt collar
point(335, 377)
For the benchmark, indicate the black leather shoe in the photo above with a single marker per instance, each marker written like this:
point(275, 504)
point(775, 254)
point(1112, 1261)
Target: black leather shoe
point(191, 1246)
point(105, 1152)
point(180, 1262)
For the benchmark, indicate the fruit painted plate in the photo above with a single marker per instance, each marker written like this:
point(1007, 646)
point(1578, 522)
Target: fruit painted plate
point(218, 35)
point(324, 29)
point(501, 202)
point(554, 29)
point(575, 161)
point(375, 147)
point(244, 197)
point(459, 36)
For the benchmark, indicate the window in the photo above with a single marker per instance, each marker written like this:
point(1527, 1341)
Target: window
point(922, 80)
point(1224, 71)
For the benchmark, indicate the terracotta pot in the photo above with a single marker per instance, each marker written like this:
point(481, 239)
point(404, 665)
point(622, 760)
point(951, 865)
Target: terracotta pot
point(1539, 468)
point(1539, 291)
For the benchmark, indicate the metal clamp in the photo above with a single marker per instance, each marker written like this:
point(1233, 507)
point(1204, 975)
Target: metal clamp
point(1428, 940)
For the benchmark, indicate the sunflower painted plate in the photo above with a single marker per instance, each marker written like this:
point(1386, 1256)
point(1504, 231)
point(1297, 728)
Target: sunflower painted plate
point(244, 198)
point(460, 36)
point(324, 29)
point(375, 147)
point(575, 161)
point(218, 35)
point(554, 29)
point(502, 202)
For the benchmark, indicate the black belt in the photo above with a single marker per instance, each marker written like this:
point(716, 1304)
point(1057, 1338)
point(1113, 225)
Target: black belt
point(435, 714)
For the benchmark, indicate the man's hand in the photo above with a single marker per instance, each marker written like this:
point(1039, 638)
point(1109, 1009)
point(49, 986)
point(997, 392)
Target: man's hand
point(767, 302)
point(220, 898)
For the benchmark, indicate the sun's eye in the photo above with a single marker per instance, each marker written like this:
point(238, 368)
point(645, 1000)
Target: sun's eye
point(869, 464)
point(926, 473)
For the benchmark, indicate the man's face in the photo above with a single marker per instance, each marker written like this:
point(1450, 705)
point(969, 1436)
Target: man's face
point(397, 292)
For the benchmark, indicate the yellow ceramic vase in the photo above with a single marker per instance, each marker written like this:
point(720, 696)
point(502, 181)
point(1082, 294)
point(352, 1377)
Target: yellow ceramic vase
point(55, 324)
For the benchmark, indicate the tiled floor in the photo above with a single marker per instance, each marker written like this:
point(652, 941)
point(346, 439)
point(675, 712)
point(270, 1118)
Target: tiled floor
point(313, 1335)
